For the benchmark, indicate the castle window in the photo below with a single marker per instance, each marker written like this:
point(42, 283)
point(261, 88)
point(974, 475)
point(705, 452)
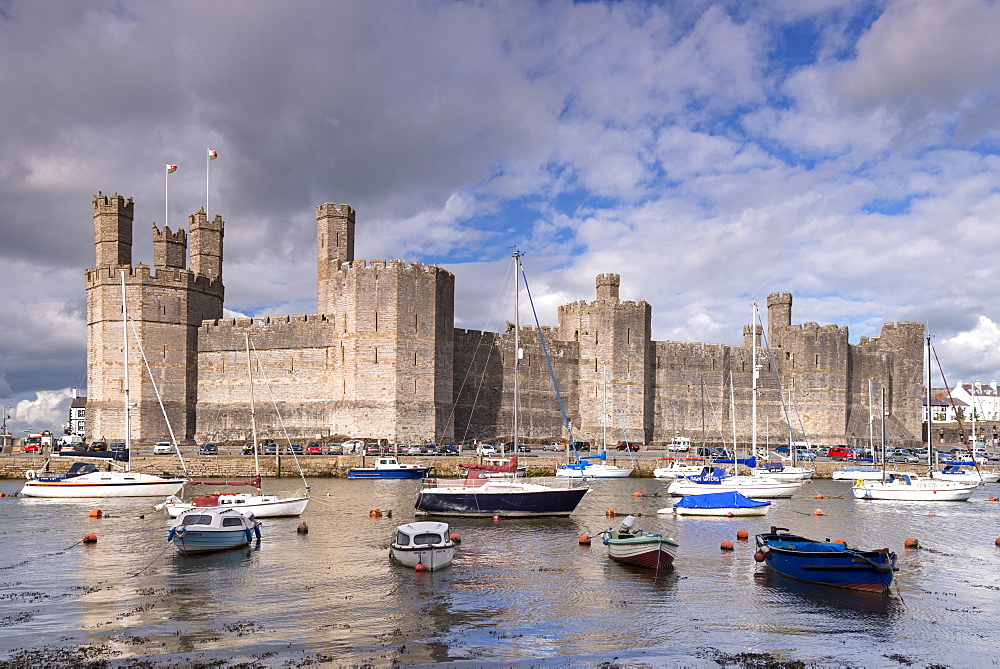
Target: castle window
point(628, 336)
point(164, 351)
point(376, 321)
point(414, 386)
point(376, 355)
point(415, 322)
point(817, 359)
point(414, 358)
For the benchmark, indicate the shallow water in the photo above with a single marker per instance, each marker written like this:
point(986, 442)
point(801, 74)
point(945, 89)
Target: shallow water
point(519, 591)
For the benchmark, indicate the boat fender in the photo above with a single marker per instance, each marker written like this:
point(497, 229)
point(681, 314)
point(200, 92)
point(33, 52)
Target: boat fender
point(256, 531)
point(759, 557)
point(859, 481)
point(30, 474)
point(764, 549)
point(170, 535)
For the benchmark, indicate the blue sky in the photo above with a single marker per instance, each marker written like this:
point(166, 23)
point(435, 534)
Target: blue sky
point(709, 152)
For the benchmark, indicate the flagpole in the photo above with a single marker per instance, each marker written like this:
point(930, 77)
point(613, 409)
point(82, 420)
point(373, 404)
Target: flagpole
point(166, 195)
point(208, 163)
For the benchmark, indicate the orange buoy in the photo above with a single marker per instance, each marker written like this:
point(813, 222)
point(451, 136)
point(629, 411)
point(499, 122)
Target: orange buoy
point(637, 494)
point(90, 538)
point(818, 512)
point(839, 541)
point(302, 528)
point(742, 535)
point(911, 543)
point(217, 493)
point(496, 518)
point(997, 542)
point(759, 557)
point(991, 499)
point(419, 567)
point(610, 512)
point(729, 514)
point(930, 515)
point(727, 545)
point(457, 539)
point(3, 494)
point(819, 496)
point(95, 513)
point(584, 540)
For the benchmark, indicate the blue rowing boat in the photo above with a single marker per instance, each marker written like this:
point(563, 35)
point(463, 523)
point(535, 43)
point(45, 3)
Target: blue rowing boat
point(826, 562)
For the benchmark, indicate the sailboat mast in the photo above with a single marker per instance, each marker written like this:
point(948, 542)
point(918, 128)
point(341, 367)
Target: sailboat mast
point(753, 383)
point(253, 414)
point(930, 414)
point(128, 418)
point(517, 344)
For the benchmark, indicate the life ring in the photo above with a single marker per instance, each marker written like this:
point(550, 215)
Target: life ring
point(859, 481)
point(30, 474)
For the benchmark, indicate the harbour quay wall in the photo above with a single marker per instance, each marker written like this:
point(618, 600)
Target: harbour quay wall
point(329, 466)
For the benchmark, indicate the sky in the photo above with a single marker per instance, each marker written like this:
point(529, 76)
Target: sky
point(711, 153)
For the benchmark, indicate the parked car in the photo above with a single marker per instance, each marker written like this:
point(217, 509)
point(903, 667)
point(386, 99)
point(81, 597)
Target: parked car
point(626, 446)
point(335, 449)
point(841, 452)
point(903, 455)
point(523, 448)
point(72, 448)
point(486, 449)
point(823, 451)
point(450, 449)
point(583, 445)
point(294, 448)
point(117, 446)
point(804, 454)
point(314, 448)
point(271, 449)
point(208, 449)
point(98, 445)
point(554, 446)
point(163, 448)
point(372, 449)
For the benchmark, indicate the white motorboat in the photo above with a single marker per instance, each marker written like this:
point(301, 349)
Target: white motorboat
point(676, 470)
point(213, 529)
point(727, 504)
point(781, 472)
point(913, 488)
point(83, 479)
point(588, 466)
point(715, 479)
point(423, 545)
point(956, 473)
point(856, 472)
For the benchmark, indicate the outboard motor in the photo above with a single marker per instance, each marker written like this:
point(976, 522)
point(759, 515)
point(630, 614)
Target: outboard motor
point(627, 524)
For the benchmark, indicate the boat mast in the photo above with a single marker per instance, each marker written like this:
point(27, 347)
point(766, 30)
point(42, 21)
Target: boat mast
point(871, 419)
point(517, 343)
point(930, 414)
point(753, 383)
point(128, 419)
point(604, 419)
point(253, 415)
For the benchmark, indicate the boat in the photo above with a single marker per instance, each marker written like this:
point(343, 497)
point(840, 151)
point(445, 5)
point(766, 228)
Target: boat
point(521, 469)
point(856, 472)
point(675, 469)
point(829, 563)
point(83, 479)
point(716, 479)
point(914, 488)
point(213, 529)
point(481, 497)
point(596, 466)
point(259, 503)
point(424, 545)
point(956, 473)
point(782, 472)
point(638, 547)
point(390, 468)
point(477, 496)
point(727, 504)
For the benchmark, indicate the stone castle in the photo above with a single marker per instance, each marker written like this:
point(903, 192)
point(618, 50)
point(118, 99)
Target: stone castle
point(381, 358)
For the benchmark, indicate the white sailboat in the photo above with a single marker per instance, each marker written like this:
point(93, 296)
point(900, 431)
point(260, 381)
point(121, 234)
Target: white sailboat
point(588, 466)
point(85, 480)
point(261, 505)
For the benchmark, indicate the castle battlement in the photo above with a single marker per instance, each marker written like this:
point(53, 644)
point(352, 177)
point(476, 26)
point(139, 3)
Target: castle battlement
point(167, 277)
point(392, 265)
point(259, 321)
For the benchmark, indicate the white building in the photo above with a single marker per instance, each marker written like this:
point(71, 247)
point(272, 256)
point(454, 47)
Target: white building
point(77, 415)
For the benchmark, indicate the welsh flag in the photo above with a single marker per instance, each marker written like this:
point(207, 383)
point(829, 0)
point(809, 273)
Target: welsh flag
point(171, 168)
point(212, 155)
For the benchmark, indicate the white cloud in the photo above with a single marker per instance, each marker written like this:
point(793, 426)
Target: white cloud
point(48, 411)
point(972, 355)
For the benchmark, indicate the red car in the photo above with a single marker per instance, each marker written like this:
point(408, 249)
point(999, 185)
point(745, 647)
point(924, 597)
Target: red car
point(314, 449)
point(628, 447)
point(841, 453)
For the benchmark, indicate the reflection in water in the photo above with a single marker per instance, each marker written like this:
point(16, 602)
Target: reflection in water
point(518, 590)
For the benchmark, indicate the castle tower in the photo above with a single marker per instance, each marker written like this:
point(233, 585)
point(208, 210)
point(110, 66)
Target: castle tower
point(206, 244)
point(112, 230)
point(779, 315)
point(615, 336)
point(169, 248)
point(335, 246)
point(164, 310)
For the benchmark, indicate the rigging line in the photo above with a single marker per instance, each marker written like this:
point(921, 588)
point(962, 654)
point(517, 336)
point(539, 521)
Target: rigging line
point(958, 418)
point(151, 563)
point(281, 421)
point(159, 399)
point(548, 361)
point(621, 423)
point(781, 397)
point(502, 292)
